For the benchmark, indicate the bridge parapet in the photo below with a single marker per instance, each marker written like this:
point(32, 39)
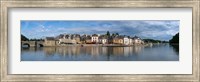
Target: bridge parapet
point(32, 43)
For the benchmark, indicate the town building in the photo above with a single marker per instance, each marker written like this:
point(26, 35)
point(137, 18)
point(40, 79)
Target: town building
point(83, 39)
point(77, 38)
point(118, 40)
point(137, 40)
point(126, 40)
point(130, 41)
point(95, 38)
point(50, 41)
point(88, 39)
point(103, 39)
point(67, 39)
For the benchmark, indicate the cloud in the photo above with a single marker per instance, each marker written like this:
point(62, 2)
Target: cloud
point(155, 29)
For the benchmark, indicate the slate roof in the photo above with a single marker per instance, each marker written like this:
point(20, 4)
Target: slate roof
point(50, 38)
point(95, 35)
point(136, 37)
point(103, 37)
point(88, 37)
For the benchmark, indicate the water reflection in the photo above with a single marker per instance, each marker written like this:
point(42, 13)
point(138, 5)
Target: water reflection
point(159, 52)
point(175, 48)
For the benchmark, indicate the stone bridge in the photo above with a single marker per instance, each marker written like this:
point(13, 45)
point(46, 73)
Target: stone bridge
point(32, 43)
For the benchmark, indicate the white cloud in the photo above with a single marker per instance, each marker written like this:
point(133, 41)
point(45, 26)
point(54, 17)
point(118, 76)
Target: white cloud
point(158, 29)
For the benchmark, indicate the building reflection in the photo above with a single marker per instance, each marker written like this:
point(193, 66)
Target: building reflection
point(95, 51)
point(49, 51)
point(100, 53)
point(104, 50)
point(137, 49)
point(118, 50)
point(88, 50)
point(69, 50)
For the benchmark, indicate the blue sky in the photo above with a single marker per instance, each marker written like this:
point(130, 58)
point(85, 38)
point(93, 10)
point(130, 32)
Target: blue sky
point(154, 29)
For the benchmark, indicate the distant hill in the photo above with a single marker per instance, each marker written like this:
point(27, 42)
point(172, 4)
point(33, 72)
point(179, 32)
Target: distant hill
point(175, 39)
point(24, 38)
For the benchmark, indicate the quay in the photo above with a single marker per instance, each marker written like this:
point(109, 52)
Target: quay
point(56, 44)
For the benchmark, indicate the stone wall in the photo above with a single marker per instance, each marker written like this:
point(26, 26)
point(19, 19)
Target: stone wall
point(50, 43)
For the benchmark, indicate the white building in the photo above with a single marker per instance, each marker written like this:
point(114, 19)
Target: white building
point(126, 40)
point(137, 40)
point(130, 41)
point(103, 41)
point(95, 38)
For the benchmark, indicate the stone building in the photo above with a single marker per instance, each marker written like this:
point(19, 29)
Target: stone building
point(118, 40)
point(88, 39)
point(77, 38)
point(69, 39)
point(50, 41)
point(103, 39)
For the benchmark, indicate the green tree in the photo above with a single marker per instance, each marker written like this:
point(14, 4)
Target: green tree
point(175, 39)
point(24, 38)
point(108, 33)
point(113, 34)
point(117, 34)
point(152, 41)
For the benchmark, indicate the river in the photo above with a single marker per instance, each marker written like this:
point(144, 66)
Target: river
point(157, 52)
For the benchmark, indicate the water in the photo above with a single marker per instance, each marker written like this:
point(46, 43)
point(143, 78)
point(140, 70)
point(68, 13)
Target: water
point(159, 52)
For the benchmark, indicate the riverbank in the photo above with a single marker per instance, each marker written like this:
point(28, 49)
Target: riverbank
point(103, 45)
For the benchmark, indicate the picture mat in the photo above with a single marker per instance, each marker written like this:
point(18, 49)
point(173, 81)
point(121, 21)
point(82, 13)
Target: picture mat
point(183, 66)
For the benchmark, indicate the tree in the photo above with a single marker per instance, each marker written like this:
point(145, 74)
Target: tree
point(108, 33)
point(113, 35)
point(24, 38)
point(175, 39)
point(152, 41)
point(117, 34)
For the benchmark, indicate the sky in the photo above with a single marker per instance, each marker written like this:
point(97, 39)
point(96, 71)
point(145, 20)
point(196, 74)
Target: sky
point(151, 29)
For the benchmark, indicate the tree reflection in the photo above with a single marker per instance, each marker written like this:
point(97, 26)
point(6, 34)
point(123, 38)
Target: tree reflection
point(175, 47)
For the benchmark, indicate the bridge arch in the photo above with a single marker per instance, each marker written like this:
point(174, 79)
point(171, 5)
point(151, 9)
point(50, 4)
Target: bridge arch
point(26, 45)
point(40, 45)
